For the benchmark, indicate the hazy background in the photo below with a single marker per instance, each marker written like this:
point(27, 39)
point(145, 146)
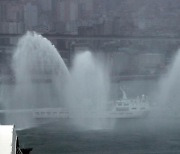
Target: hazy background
point(155, 18)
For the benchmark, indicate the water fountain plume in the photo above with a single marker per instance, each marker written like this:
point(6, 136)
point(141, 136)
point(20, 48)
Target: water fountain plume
point(37, 61)
point(40, 75)
point(88, 92)
point(43, 81)
point(167, 106)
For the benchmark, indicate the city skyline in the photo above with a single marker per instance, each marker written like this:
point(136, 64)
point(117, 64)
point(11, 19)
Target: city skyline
point(138, 17)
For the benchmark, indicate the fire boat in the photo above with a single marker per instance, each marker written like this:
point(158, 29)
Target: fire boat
point(129, 108)
point(120, 108)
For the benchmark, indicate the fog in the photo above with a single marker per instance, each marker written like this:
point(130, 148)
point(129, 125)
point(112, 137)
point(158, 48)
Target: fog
point(102, 72)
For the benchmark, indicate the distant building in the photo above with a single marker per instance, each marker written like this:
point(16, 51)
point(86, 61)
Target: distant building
point(67, 15)
point(45, 5)
point(30, 16)
point(11, 17)
point(108, 26)
point(122, 25)
point(150, 63)
point(119, 63)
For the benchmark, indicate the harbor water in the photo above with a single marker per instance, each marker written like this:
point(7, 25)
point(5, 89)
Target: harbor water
point(130, 136)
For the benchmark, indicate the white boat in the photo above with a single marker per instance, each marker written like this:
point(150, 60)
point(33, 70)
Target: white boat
point(120, 108)
point(129, 108)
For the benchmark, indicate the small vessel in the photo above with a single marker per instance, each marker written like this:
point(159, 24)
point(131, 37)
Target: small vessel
point(46, 115)
point(120, 108)
point(129, 108)
point(9, 142)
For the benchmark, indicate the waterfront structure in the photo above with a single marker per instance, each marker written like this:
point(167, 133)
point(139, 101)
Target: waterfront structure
point(9, 143)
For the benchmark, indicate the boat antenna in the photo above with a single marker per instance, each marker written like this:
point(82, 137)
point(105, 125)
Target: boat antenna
point(124, 93)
